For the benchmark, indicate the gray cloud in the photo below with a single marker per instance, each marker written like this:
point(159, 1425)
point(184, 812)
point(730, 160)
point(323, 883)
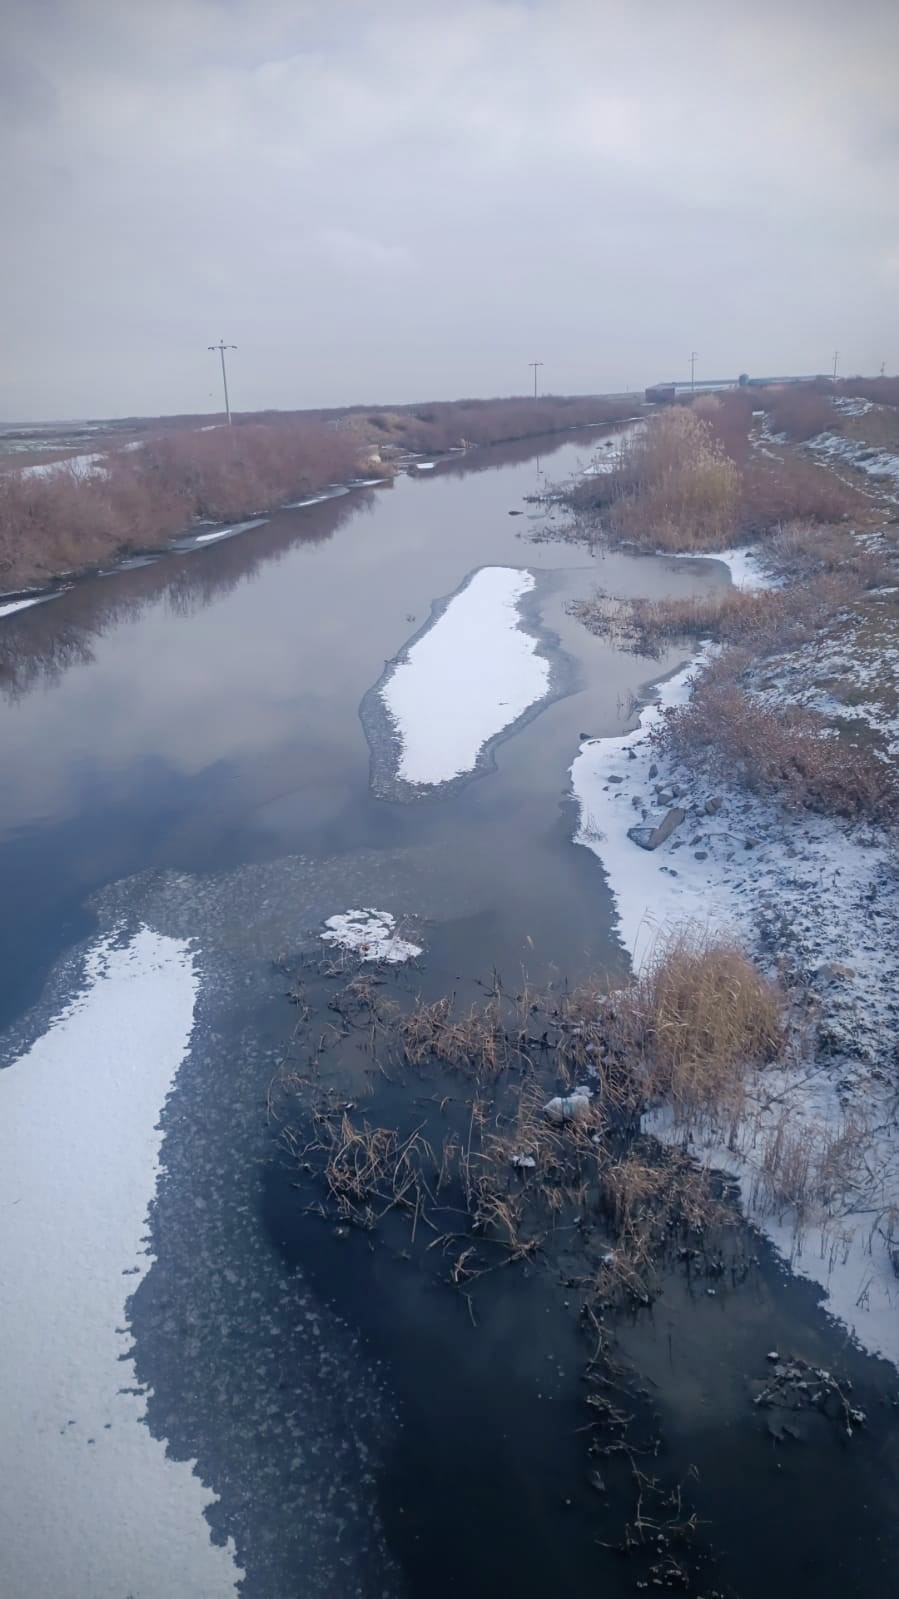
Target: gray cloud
point(401, 200)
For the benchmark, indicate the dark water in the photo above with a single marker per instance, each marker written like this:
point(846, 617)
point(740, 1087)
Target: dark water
point(182, 747)
point(204, 711)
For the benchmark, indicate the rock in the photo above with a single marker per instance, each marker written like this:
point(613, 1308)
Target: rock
point(696, 840)
point(665, 796)
point(516, 513)
point(653, 771)
point(752, 843)
point(700, 855)
point(573, 1107)
point(713, 806)
point(614, 778)
point(650, 837)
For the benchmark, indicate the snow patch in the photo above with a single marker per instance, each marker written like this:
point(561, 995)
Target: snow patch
point(79, 1158)
point(22, 605)
point(228, 532)
point(471, 674)
point(370, 934)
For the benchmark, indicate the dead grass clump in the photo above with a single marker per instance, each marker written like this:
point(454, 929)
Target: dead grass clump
point(698, 1017)
point(477, 1042)
point(786, 489)
point(764, 621)
point(675, 488)
point(790, 751)
point(367, 1170)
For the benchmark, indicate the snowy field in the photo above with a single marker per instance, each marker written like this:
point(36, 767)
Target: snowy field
point(473, 673)
point(91, 1504)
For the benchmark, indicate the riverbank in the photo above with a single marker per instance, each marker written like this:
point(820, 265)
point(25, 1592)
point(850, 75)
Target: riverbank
point(774, 757)
point(73, 515)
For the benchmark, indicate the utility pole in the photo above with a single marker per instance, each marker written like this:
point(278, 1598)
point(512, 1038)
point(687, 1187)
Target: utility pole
point(836, 357)
point(535, 365)
point(222, 347)
point(692, 371)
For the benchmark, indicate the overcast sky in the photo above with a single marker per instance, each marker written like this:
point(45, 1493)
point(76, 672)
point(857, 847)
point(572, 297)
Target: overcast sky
point(410, 199)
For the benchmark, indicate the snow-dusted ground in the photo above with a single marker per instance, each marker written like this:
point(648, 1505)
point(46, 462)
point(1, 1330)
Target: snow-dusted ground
point(90, 1502)
point(823, 895)
point(876, 463)
point(470, 675)
point(369, 934)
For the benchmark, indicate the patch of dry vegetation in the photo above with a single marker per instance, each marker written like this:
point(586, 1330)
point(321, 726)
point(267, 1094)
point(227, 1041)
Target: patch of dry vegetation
point(880, 391)
point(798, 411)
point(64, 522)
point(674, 488)
point(699, 1017)
point(790, 488)
point(785, 750)
point(684, 1034)
point(452, 424)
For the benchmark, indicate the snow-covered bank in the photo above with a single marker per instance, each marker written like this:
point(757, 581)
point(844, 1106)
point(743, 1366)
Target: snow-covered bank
point(819, 895)
point(880, 464)
point(91, 1504)
point(471, 674)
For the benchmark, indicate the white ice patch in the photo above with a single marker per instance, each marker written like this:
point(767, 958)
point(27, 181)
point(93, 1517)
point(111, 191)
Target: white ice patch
point(228, 532)
point(370, 934)
point(473, 673)
point(90, 1502)
point(22, 605)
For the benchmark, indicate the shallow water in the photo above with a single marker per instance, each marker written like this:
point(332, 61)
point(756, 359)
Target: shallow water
point(184, 752)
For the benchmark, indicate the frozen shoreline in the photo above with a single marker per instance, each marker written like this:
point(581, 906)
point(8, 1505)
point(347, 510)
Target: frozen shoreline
point(807, 885)
point(80, 1116)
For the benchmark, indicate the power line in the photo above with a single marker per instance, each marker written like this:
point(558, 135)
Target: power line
point(535, 365)
point(693, 354)
point(222, 347)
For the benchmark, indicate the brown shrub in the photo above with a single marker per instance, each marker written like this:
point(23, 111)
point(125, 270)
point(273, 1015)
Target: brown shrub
point(674, 489)
point(793, 489)
point(880, 391)
point(728, 416)
point(699, 1017)
point(789, 751)
point(445, 425)
point(799, 412)
point(806, 550)
point(60, 521)
point(764, 620)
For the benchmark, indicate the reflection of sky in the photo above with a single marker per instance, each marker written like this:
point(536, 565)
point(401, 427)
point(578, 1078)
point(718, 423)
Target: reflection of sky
point(264, 681)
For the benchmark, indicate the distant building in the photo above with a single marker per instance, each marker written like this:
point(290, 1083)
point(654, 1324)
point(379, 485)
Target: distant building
point(665, 393)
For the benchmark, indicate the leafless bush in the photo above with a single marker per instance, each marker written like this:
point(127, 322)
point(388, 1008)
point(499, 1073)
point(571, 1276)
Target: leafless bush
point(762, 620)
point(60, 521)
point(805, 551)
point(793, 489)
point(790, 751)
point(880, 391)
point(444, 425)
point(798, 411)
point(728, 416)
